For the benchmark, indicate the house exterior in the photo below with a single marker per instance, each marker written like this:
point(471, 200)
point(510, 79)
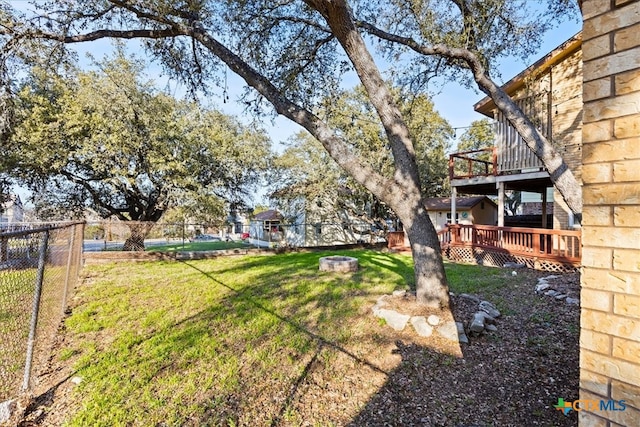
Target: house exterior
point(265, 229)
point(470, 210)
point(12, 211)
point(550, 93)
point(329, 220)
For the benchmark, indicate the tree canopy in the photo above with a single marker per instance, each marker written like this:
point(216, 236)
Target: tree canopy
point(110, 141)
point(305, 170)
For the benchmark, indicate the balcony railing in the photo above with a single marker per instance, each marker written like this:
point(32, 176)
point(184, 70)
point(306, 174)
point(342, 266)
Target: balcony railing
point(469, 164)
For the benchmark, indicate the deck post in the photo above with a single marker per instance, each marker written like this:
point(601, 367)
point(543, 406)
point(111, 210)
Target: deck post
point(544, 208)
point(454, 192)
point(500, 204)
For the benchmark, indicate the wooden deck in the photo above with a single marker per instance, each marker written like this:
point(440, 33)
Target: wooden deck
point(534, 244)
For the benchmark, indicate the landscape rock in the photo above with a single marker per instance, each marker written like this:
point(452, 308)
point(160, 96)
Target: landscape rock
point(489, 308)
point(477, 323)
point(491, 328)
point(551, 293)
point(575, 301)
point(462, 337)
point(449, 330)
point(433, 320)
point(421, 326)
point(470, 297)
point(487, 319)
point(399, 293)
point(560, 297)
point(394, 319)
point(513, 265)
point(6, 408)
point(542, 286)
point(76, 380)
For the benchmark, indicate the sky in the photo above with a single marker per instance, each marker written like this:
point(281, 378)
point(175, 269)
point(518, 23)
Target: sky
point(453, 102)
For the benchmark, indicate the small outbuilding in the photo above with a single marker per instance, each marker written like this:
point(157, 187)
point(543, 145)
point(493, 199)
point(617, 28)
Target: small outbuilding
point(469, 210)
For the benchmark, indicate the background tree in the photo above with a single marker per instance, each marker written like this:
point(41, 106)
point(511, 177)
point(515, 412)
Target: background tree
point(477, 136)
point(110, 141)
point(282, 50)
point(306, 172)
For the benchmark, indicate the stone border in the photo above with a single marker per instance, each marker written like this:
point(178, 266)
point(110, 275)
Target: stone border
point(338, 263)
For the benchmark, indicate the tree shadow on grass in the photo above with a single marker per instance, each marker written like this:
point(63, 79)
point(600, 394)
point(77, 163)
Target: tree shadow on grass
point(428, 387)
point(285, 348)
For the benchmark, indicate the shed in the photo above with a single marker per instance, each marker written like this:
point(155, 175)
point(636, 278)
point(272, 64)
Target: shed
point(469, 210)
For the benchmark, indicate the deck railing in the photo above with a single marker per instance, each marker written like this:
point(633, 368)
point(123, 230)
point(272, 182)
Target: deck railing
point(554, 245)
point(558, 245)
point(467, 164)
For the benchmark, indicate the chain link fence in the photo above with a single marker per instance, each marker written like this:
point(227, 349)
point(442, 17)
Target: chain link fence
point(39, 266)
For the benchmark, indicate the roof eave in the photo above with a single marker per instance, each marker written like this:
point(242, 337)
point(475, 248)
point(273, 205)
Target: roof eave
point(486, 105)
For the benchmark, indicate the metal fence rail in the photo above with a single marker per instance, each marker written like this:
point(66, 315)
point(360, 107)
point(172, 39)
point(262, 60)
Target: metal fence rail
point(38, 269)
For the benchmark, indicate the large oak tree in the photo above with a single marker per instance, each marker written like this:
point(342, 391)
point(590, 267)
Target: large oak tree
point(110, 141)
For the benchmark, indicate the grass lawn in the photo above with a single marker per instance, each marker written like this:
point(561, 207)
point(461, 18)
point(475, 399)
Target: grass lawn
point(255, 340)
point(198, 246)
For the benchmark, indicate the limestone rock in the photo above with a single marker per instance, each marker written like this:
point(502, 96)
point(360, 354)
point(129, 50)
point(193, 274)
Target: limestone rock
point(477, 323)
point(462, 337)
point(433, 320)
point(470, 297)
point(448, 330)
point(421, 326)
point(394, 319)
point(513, 265)
point(487, 319)
point(542, 286)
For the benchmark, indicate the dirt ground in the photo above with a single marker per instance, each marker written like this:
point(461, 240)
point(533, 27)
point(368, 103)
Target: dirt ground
point(510, 377)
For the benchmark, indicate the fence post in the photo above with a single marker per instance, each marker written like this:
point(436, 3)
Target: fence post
point(36, 307)
point(72, 245)
point(4, 249)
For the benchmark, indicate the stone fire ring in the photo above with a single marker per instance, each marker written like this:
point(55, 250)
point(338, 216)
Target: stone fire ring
point(340, 264)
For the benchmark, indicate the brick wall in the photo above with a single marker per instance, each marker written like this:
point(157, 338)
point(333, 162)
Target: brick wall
point(610, 297)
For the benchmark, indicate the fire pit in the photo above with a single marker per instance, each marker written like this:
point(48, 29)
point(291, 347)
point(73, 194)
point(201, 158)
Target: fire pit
point(340, 264)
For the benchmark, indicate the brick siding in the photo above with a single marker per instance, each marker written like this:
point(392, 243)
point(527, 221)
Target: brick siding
point(610, 298)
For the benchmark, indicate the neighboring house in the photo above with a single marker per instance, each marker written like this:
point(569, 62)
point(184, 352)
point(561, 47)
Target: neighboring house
point(266, 229)
point(325, 222)
point(12, 211)
point(550, 93)
point(469, 210)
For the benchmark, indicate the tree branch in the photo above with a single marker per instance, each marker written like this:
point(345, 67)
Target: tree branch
point(559, 171)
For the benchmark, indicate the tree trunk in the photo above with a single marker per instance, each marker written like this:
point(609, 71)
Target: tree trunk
point(431, 281)
point(135, 241)
point(402, 193)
